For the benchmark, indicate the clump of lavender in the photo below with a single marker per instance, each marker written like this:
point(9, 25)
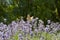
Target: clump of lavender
point(28, 28)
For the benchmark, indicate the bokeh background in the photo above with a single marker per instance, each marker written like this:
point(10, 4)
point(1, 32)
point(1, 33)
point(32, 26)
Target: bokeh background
point(44, 9)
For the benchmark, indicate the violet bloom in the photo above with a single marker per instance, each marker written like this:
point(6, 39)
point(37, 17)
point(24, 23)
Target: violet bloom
point(36, 30)
point(2, 26)
point(46, 29)
point(1, 34)
point(7, 34)
point(41, 27)
point(31, 34)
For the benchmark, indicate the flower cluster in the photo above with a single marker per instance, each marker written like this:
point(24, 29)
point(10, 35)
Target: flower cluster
point(26, 28)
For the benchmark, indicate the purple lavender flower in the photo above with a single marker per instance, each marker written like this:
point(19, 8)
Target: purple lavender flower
point(31, 34)
point(46, 29)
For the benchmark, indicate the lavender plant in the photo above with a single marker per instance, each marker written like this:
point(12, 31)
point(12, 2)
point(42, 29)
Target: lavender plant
point(30, 30)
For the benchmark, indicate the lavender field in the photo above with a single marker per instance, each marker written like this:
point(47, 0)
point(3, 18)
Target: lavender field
point(29, 19)
point(30, 30)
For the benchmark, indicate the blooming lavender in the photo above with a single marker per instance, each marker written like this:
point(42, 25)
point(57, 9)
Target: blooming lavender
point(31, 28)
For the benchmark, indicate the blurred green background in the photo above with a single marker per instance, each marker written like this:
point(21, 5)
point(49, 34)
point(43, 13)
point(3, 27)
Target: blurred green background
point(44, 9)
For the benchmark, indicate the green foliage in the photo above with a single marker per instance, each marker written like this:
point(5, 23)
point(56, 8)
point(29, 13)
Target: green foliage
point(45, 35)
point(44, 9)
